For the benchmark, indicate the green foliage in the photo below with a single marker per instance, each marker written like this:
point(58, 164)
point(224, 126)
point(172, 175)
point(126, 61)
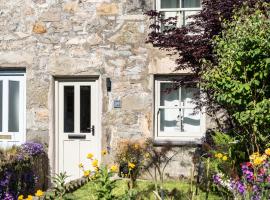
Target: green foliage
point(104, 184)
point(240, 82)
point(59, 188)
point(130, 152)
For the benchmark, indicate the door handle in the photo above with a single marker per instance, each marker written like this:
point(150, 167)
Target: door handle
point(93, 130)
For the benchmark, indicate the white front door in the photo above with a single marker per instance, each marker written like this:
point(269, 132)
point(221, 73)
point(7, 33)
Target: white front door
point(12, 108)
point(77, 125)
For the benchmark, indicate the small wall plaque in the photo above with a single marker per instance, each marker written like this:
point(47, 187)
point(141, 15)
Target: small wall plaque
point(117, 103)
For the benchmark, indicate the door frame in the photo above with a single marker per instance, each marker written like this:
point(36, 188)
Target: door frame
point(98, 129)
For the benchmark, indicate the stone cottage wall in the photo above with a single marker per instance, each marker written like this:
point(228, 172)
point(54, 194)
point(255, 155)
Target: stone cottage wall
point(53, 38)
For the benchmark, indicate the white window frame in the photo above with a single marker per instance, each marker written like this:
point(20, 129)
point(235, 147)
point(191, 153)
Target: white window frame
point(178, 10)
point(17, 137)
point(168, 136)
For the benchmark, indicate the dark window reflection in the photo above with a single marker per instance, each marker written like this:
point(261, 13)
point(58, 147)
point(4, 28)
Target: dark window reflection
point(68, 109)
point(85, 103)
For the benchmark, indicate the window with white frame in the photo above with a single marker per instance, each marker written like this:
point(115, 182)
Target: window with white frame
point(174, 112)
point(12, 108)
point(181, 9)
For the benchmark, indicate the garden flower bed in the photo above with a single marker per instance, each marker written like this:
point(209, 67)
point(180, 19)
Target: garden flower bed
point(23, 171)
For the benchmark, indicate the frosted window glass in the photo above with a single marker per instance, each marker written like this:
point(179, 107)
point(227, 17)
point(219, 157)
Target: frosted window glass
point(169, 120)
point(191, 4)
point(168, 95)
point(191, 121)
point(85, 114)
point(1, 105)
point(68, 109)
point(170, 4)
point(188, 96)
point(185, 16)
point(14, 106)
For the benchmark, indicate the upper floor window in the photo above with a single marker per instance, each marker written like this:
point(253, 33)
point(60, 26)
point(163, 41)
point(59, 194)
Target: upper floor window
point(181, 9)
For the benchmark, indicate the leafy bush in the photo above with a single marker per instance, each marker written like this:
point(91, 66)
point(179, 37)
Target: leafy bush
point(239, 82)
point(17, 170)
point(101, 176)
point(130, 157)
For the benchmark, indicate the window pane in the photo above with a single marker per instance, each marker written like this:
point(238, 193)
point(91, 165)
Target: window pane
point(191, 3)
point(191, 121)
point(188, 96)
point(13, 106)
point(1, 104)
point(170, 120)
point(85, 104)
point(170, 4)
point(68, 109)
point(169, 96)
point(184, 18)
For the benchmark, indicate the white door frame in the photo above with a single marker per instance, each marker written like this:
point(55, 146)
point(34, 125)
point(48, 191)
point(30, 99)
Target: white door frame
point(98, 129)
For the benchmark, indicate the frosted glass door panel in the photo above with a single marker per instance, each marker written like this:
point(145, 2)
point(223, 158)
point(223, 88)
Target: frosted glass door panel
point(168, 97)
point(191, 121)
point(170, 3)
point(191, 4)
point(14, 106)
point(169, 120)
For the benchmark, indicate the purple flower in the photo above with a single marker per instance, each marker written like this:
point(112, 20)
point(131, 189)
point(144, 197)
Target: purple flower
point(32, 148)
point(217, 179)
point(8, 196)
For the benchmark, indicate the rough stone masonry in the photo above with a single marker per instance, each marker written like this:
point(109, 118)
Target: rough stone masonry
point(51, 38)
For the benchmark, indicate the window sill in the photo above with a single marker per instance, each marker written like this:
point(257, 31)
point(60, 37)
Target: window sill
point(177, 142)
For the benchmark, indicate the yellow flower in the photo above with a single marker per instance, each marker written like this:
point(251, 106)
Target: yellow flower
point(136, 146)
point(39, 193)
point(254, 155)
point(224, 158)
point(104, 152)
point(80, 165)
point(264, 156)
point(96, 169)
point(20, 197)
point(218, 155)
point(267, 151)
point(114, 168)
point(258, 161)
point(95, 163)
point(147, 155)
point(86, 173)
point(90, 156)
point(131, 165)
point(29, 197)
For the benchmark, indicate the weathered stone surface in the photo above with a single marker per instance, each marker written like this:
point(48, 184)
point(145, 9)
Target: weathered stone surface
point(18, 59)
point(71, 6)
point(52, 15)
point(136, 101)
point(107, 9)
point(94, 39)
point(39, 28)
point(131, 33)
